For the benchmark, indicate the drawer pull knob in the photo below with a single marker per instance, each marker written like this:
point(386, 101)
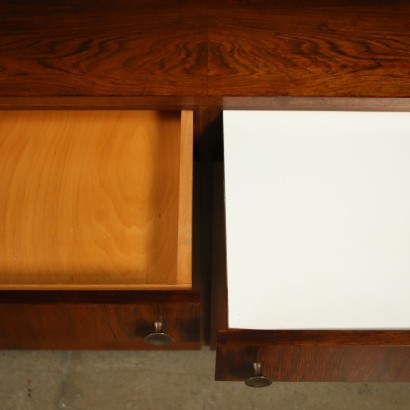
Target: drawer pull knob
point(158, 338)
point(257, 380)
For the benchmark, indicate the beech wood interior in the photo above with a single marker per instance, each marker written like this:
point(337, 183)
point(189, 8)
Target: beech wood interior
point(95, 199)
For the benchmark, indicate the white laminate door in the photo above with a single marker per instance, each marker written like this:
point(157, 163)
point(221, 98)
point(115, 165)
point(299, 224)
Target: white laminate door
point(318, 219)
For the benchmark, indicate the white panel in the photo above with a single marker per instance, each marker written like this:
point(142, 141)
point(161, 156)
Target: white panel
point(318, 219)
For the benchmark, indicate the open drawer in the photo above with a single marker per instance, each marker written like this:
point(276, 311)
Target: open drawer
point(92, 201)
point(317, 254)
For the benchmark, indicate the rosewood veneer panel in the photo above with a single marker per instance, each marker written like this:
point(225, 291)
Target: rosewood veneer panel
point(309, 48)
point(315, 356)
point(97, 319)
point(98, 47)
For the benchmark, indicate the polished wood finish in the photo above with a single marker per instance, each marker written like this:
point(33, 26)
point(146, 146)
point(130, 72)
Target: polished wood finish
point(200, 49)
point(206, 104)
point(90, 102)
point(95, 199)
point(103, 48)
point(315, 356)
point(320, 337)
point(310, 103)
point(98, 296)
point(97, 320)
point(322, 48)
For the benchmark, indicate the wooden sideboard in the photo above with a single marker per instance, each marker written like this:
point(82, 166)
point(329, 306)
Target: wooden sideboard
point(173, 56)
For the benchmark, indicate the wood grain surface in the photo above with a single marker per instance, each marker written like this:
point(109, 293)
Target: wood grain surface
point(98, 47)
point(315, 356)
point(185, 198)
point(309, 103)
point(309, 48)
point(97, 320)
point(92, 199)
point(227, 48)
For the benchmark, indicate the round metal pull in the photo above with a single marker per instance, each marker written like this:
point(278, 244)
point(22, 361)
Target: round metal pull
point(257, 380)
point(158, 338)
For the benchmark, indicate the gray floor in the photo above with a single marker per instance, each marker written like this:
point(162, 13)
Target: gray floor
point(166, 380)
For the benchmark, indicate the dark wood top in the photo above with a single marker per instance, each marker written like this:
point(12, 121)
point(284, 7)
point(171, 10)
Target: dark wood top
point(326, 48)
point(197, 52)
point(100, 47)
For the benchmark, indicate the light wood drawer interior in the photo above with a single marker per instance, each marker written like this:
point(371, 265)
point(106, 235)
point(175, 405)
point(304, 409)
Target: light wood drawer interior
point(95, 199)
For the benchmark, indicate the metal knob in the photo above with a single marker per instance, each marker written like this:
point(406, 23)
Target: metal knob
point(158, 338)
point(257, 380)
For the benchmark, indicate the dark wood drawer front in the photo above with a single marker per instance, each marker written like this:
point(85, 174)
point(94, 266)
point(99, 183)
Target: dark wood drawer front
point(315, 356)
point(97, 320)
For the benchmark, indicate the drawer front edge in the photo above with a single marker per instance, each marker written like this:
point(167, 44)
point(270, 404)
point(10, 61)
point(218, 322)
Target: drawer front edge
point(315, 356)
point(97, 320)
